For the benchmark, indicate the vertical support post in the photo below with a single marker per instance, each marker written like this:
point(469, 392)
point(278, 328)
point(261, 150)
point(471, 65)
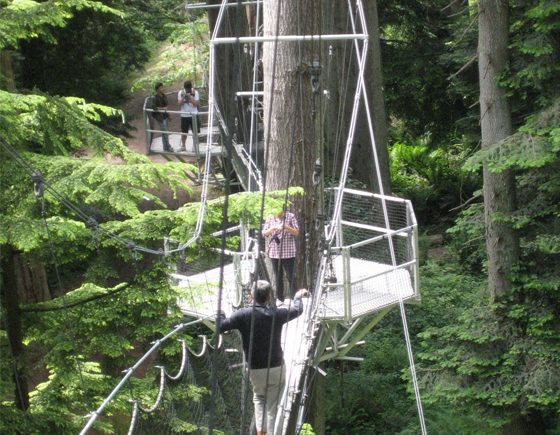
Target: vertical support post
point(339, 235)
point(347, 284)
point(194, 135)
point(414, 243)
point(147, 126)
point(243, 233)
point(237, 275)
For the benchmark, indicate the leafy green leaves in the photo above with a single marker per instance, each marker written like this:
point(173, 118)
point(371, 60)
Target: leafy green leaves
point(57, 125)
point(536, 144)
point(24, 19)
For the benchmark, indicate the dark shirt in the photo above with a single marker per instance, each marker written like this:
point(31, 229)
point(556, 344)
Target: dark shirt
point(160, 101)
point(268, 322)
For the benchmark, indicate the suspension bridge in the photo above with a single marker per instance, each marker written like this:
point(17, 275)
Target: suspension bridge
point(368, 264)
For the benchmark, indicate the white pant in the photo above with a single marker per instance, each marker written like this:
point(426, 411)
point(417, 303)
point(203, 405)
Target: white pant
point(267, 397)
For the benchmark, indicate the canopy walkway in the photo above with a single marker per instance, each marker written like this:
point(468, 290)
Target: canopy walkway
point(357, 286)
point(369, 264)
point(198, 146)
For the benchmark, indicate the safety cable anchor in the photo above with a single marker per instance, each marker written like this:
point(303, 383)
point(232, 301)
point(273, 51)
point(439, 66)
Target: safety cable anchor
point(92, 223)
point(317, 169)
point(38, 184)
point(315, 73)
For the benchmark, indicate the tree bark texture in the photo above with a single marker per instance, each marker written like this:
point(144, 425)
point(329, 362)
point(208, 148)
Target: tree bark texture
point(291, 141)
point(362, 162)
point(502, 243)
point(31, 280)
point(343, 74)
point(232, 62)
point(7, 70)
point(318, 404)
point(10, 306)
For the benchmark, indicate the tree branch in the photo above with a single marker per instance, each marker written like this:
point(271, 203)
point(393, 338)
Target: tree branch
point(474, 20)
point(450, 4)
point(465, 66)
point(38, 308)
point(467, 202)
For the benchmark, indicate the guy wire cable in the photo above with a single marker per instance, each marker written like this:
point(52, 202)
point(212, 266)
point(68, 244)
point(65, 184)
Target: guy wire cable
point(38, 180)
point(213, 375)
point(390, 239)
point(265, 168)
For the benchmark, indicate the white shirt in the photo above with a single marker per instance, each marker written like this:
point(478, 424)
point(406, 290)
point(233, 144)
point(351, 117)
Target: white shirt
point(187, 109)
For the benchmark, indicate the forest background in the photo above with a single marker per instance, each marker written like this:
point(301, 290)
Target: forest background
point(488, 353)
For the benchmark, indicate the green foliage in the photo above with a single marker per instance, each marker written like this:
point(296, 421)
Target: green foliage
point(67, 394)
point(431, 178)
point(110, 328)
point(25, 19)
point(246, 206)
point(503, 357)
point(186, 57)
point(422, 46)
point(93, 56)
point(467, 237)
point(536, 144)
point(532, 76)
point(306, 429)
point(56, 125)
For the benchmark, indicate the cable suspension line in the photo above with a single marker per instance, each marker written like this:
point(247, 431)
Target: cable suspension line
point(410, 355)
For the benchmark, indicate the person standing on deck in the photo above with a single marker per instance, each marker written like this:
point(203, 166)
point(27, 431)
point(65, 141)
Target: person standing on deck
point(189, 100)
point(263, 324)
point(280, 232)
point(161, 116)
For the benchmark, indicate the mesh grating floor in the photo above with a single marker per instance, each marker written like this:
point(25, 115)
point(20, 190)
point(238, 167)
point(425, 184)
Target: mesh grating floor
point(199, 292)
point(374, 286)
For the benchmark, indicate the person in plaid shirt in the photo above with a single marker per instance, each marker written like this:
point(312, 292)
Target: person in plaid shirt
point(280, 232)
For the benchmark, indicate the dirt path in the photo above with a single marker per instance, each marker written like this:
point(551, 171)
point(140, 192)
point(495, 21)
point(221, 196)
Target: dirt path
point(133, 109)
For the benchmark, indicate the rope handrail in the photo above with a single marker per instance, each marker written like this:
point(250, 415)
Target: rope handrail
point(128, 372)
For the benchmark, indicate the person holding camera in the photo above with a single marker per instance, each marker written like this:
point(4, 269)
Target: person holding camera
point(189, 100)
point(280, 232)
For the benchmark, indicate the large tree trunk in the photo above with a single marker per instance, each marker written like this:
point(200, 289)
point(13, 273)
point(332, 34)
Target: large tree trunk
point(342, 74)
point(495, 119)
point(10, 305)
point(7, 70)
point(291, 141)
point(362, 158)
point(318, 404)
point(231, 62)
point(502, 243)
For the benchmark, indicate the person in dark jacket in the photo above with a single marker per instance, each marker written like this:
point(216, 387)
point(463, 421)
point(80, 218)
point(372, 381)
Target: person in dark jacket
point(161, 116)
point(261, 331)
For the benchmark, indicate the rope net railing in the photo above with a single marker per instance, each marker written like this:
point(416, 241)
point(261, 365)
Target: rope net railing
point(185, 405)
point(171, 389)
point(370, 263)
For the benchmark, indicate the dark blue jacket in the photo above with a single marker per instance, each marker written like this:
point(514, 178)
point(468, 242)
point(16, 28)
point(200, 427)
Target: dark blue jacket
point(268, 323)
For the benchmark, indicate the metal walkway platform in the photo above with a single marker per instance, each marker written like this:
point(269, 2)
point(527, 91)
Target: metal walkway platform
point(374, 286)
point(190, 149)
